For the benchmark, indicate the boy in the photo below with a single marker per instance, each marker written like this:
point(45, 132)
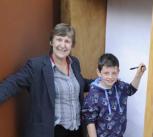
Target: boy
point(105, 107)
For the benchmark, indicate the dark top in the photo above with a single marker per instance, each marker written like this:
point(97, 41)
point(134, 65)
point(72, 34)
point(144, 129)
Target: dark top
point(107, 108)
point(37, 77)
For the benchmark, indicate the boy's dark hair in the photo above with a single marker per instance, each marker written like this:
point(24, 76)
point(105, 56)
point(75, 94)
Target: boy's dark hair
point(108, 60)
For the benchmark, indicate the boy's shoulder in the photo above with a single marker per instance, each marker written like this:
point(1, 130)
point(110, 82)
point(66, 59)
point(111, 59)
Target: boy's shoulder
point(94, 93)
point(120, 82)
point(95, 89)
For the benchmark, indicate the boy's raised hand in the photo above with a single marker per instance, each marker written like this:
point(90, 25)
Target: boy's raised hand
point(141, 69)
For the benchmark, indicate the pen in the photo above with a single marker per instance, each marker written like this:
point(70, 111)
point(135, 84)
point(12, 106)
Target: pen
point(133, 68)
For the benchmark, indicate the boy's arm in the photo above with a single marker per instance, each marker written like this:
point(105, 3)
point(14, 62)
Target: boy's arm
point(91, 130)
point(141, 69)
point(90, 111)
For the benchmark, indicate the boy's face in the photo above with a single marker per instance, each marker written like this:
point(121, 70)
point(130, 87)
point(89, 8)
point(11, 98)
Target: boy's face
point(109, 76)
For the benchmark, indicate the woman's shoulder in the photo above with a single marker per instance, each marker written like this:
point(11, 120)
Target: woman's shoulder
point(39, 61)
point(73, 58)
point(39, 58)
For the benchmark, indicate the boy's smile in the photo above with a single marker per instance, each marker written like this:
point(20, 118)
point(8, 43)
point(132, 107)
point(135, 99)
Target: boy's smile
point(109, 76)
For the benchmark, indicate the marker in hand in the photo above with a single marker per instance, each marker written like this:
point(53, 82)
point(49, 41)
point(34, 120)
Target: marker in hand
point(143, 66)
point(133, 68)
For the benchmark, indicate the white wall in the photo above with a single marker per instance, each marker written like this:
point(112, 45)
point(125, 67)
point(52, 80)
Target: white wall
point(128, 32)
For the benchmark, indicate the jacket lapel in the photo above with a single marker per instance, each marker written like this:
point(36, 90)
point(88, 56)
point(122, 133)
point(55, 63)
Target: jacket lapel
point(78, 77)
point(49, 78)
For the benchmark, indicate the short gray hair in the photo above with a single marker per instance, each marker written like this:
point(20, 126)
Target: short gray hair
point(63, 29)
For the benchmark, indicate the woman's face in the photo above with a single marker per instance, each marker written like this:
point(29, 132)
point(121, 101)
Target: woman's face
point(62, 46)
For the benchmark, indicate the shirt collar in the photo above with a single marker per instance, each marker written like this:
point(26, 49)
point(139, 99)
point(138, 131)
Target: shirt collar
point(69, 60)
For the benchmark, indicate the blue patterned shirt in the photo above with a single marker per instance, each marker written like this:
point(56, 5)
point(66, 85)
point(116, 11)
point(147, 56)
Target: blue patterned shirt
point(107, 108)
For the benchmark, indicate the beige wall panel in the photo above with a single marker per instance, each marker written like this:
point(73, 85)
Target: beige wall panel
point(65, 11)
point(89, 19)
point(148, 131)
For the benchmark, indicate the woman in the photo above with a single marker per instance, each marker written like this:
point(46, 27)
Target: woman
point(55, 85)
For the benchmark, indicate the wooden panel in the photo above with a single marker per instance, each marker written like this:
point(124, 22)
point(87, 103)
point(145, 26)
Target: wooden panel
point(25, 28)
point(56, 12)
point(148, 128)
point(89, 19)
